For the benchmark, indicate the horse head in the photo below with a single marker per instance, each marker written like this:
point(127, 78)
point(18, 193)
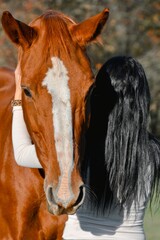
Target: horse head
point(56, 78)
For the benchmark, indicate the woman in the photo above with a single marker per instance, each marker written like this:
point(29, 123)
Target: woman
point(121, 168)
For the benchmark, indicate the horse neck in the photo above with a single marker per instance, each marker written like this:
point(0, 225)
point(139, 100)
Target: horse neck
point(7, 89)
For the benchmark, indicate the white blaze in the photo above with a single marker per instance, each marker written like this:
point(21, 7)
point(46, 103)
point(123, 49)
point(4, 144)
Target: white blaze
point(56, 81)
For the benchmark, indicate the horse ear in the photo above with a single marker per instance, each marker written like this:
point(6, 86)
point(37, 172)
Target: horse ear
point(88, 30)
point(19, 33)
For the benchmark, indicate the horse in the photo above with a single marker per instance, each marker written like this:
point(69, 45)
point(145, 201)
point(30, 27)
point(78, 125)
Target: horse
point(56, 79)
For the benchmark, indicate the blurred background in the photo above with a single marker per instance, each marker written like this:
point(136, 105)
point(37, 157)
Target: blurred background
point(133, 29)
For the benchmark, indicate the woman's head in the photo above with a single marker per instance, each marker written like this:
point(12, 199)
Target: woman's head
point(119, 113)
point(126, 149)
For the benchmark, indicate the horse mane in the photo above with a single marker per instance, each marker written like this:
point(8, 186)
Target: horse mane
point(122, 151)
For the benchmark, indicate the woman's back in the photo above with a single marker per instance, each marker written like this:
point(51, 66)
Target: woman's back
point(115, 224)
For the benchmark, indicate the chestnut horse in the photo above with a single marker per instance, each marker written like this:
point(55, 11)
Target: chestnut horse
point(56, 78)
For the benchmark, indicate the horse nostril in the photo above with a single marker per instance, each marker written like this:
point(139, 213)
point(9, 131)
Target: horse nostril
point(50, 196)
point(81, 196)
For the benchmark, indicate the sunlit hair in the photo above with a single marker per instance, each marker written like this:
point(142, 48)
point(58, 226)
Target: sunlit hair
point(123, 158)
point(132, 155)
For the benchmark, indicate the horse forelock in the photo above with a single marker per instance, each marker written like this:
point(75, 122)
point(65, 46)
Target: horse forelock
point(56, 14)
point(56, 31)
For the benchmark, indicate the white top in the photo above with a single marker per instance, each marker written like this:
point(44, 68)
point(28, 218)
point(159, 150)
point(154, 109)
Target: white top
point(111, 225)
point(84, 224)
point(116, 225)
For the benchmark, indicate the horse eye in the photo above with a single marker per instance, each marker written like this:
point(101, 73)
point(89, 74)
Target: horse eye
point(27, 92)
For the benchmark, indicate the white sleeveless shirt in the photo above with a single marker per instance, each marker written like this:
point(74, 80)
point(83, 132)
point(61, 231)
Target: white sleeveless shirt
point(115, 225)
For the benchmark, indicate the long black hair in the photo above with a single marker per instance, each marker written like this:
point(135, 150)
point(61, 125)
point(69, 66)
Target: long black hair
point(121, 154)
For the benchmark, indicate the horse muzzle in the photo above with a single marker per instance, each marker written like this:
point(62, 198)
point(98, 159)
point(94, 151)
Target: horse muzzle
point(65, 204)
